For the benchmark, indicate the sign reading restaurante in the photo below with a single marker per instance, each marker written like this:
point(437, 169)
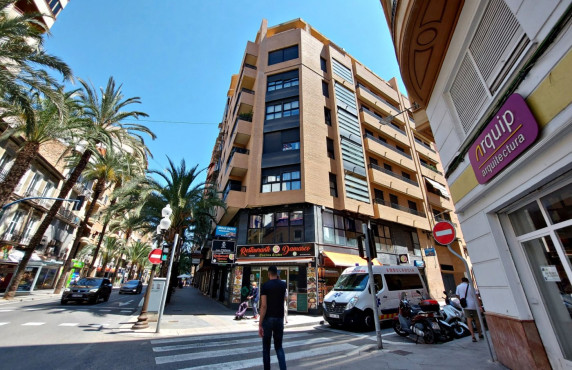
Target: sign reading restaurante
point(507, 135)
point(284, 250)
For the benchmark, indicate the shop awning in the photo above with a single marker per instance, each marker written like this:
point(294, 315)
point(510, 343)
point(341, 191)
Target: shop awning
point(346, 260)
point(442, 189)
point(272, 261)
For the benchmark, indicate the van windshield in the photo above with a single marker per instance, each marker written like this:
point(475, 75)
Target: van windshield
point(352, 282)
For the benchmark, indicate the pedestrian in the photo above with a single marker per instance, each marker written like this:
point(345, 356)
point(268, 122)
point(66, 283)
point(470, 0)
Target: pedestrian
point(254, 296)
point(271, 317)
point(465, 292)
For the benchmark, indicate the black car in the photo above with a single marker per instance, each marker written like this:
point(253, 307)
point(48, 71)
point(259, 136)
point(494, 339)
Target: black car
point(132, 286)
point(88, 290)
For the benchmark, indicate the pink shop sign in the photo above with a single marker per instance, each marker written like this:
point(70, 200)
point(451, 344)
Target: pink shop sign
point(508, 134)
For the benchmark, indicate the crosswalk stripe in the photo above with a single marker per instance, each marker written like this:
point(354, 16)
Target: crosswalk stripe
point(204, 344)
point(4, 323)
point(201, 338)
point(243, 364)
point(31, 309)
point(33, 324)
point(69, 324)
point(232, 352)
point(6, 310)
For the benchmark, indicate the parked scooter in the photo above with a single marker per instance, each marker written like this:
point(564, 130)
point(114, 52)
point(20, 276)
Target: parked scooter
point(421, 320)
point(452, 314)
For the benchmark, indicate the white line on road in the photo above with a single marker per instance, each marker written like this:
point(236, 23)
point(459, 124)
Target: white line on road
point(33, 324)
point(69, 324)
point(4, 323)
point(31, 309)
point(125, 303)
point(340, 348)
point(104, 310)
point(6, 310)
point(201, 338)
point(233, 351)
point(58, 309)
point(126, 311)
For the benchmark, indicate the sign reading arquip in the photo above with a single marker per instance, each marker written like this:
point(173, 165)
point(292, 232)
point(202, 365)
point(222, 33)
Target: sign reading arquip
point(507, 135)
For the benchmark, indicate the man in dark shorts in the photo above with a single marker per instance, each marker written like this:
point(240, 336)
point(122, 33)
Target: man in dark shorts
point(272, 317)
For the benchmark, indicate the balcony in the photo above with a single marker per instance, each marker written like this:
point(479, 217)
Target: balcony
point(439, 200)
point(365, 74)
point(237, 162)
point(373, 99)
point(12, 237)
point(31, 193)
point(247, 77)
point(372, 119)
point(244, 101)
point(431, 172)
point(235, 199)
point(403, 215)
point(242, 127)
point(392, 180)
point(391, 153)
point(426, 150)
point(67, 215)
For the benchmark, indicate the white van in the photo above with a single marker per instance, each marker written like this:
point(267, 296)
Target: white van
point(351, 303)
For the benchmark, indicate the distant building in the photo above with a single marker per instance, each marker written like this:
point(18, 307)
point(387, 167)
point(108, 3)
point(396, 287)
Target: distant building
point(313, 147)
point(49, 9)
point(493, 82)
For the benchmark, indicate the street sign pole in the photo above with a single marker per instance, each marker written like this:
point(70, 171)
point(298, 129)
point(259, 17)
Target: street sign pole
point(365, 230)
point(167, 281)
point(444, 233)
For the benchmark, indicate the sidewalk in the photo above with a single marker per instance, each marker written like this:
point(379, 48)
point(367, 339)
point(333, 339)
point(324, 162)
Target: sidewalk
point(36, 295)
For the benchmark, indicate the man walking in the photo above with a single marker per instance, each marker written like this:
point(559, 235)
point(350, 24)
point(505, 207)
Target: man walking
point(254, 296)
point(271, 317)
point(464, 290)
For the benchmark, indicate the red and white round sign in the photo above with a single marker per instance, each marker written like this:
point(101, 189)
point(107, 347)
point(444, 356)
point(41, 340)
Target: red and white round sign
point(444, 233)
point(155, 256)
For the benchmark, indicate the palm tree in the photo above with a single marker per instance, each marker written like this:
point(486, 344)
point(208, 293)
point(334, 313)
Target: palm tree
point(137, 253)
point(23, 61)
point(48, 123)
point(108, 167)
point(104, 123)
point(111, 248)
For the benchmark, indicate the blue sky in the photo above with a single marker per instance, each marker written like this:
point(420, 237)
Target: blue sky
point(178, 55)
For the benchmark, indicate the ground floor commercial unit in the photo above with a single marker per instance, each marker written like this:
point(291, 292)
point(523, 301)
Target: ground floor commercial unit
point(311, 246)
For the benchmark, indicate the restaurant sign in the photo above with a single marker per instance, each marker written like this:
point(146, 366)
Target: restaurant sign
point(284, 250)
point(223, 252)
point(507, 135)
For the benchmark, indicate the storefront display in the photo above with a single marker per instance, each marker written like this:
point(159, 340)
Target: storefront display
point(237, 285)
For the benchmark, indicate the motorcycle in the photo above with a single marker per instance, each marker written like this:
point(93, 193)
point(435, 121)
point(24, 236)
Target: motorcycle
point(452, 314)
point(421, 320)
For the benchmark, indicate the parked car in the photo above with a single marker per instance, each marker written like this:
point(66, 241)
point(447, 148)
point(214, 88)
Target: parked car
point(88, 289)
point(131, 287)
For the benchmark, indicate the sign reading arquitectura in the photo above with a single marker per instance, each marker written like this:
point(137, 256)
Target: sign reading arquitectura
point(504, 138)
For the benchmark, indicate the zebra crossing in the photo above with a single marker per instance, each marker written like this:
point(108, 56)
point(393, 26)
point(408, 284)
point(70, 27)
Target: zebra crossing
point(244, 350)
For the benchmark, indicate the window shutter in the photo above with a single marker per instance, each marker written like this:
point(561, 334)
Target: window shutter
point(342, 71)
point(356, 188)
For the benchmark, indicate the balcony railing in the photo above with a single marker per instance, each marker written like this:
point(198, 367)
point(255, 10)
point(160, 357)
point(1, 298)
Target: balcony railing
point(425, 145)
point(381, 142)
point(439, 219)
point(398, 207)
point(235, 150)
point(378, 97)
point(234, 187)
point(380, 119)
point(12, 237)
point(67, 214)
point(249, 66)
point(432, 168)
point(391, 173)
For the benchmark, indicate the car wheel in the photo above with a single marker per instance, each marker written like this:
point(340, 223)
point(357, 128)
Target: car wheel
point(106, 298)
point(368, 321)
point(95, 299)
point(64, 301)
point(139, 290)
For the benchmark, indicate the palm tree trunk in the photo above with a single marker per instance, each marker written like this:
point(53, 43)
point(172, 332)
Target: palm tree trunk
point(97, 248)
point(117, 262)
point(37, 238)
point(104, 264)
point(98, 190)
point(21, 164)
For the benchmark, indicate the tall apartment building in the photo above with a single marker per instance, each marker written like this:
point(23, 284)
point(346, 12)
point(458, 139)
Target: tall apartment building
point(49, 9)
point(496, 92)
point(313, 146)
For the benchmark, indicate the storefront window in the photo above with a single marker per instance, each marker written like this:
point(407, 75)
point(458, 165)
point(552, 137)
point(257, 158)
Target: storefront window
point(279, 227)
point(341, 230)
point(559, 205)
point(527, 219)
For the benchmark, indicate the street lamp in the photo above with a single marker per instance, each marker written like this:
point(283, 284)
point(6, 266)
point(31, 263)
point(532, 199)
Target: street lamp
point(165, 224)
point(143, 320)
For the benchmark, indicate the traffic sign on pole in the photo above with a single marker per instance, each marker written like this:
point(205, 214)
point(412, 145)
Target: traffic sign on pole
point(155, 256)
point(444, 233)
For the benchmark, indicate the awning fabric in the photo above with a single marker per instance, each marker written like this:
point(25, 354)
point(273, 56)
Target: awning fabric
point(346, 260)
point(439, 187)
point(271, 261)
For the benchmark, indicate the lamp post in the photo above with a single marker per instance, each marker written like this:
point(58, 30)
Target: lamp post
point(143, 320)
point(165, 224)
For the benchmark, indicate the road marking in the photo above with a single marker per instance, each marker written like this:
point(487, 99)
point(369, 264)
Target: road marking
point(104, 310)
point(203, 344)
point(58, 309)
point(126, 311)
point(31, 309)
point(202, 338)
point(33, 324)
point(69, 324)
point(125, 303)
point(233, 352)
point(6, 310)
point(340, 348)
point(4, 323)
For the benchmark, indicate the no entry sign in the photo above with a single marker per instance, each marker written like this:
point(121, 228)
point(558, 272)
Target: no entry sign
point(155, 256)
point(444, 233)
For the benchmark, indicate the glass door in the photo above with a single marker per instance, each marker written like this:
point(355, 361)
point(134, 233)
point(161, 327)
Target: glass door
point(543, 228)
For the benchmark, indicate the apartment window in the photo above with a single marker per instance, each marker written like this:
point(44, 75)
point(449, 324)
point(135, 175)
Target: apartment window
point(412, 205)
point(370, 133)
point(281, 109)
point(15, 223)
point(388, 167)
point(378, 195)
point(32, 187)
point(280, 180)
point(278, 227)
point(29, 228)
point(325, 89)
point(406, 175)
point(330, 147)
point(393, 200)
point(5, 163)
point(328, 116)
point(373, 161)
point(341, 230)
point(416, 245)
point(291, 146)
point(382, 239)
point(323, 65)
point(400, 149)
point(279, 84)
point(333, 185)
point(282, 55)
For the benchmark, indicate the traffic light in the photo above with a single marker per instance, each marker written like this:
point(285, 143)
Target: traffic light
point(360, 242)
point(80, 199)
point(166, 249)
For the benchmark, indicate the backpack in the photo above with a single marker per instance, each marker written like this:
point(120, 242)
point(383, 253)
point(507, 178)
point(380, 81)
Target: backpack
point(463, 301)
